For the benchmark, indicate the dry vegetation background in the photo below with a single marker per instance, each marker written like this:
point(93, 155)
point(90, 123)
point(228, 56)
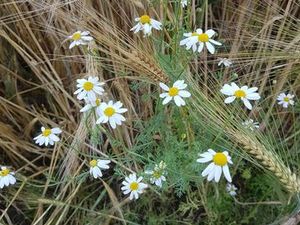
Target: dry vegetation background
point(38, 77)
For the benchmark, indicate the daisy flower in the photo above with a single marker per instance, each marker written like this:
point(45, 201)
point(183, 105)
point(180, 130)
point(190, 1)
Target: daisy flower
point(184, 3)
point(226, 62)
point(145, 24)
point(134, 186)
point(198, 39)
point(157, 175)
point(111, 112)
point(88, 89)
point(91, 104)
point(97, 165)
point(231, 189)
point(176, 92)
point(48, 136)
point(250, 124)
point(285, 100)
point(6, 177)
point(80, 38)
point(219, 162)
point(244, 93)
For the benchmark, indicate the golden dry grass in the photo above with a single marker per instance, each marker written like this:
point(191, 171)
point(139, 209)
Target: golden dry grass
point(38, 78)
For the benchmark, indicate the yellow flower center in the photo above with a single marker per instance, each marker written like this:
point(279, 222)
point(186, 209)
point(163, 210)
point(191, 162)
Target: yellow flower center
point(98, 101)
point(240, 94)
point(87, 86)
point(134, 186)
point(93, 163)
point(286, 99)
point(4, 172)
point(46, 132)
point(220, 159)
point(203, 38)
point(145, 19)
point(76, 36)
point(156, 174)
point(109, 111)
point(173, 91)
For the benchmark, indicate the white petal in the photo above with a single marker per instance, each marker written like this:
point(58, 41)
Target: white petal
point(72, 44)
point(227, 90)
point(215, 42)
point(131, 196)
point(53, 137)
point(205, 160)
point(253, 96)
point(229, 99)
point(210, 33)
point(164, 87)
point(85, 33)
point(247, 103)
point(211, 175)
point(125, 192)
point(179, 101)
point(218, 172)
point(208, 169)
point(147, 28)
point(112, 123)
point(163, 95)
point(210, 47)
point(253, 89)
point(91, 96)
point(97, 172)
point(178, 83)
point(12, 179)
point(234, 86)
point(81, 95)
point(194, 48)
point(86, 108)
point(184, 94)
point(184, 41)
point(201, 46)
point(226, 173)
point(167, 100)
point(211, 151)
point(199, 31)
point(56, 130)
point(187, 34)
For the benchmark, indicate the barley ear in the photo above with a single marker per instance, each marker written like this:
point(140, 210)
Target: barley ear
point(271, 162)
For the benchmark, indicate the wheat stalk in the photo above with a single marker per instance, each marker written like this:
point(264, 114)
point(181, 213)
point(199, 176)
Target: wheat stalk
point(146, 64)
point(271, 162)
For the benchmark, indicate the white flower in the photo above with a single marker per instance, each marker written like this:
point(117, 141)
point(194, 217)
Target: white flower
point(111, 112)
point(184, 3)
point(198, 39)
point(134, 186)
point(225, 62)
point(244, 93)
point(176, 92)
point(285, 100)
point(231, 189)
point(89, 88)
point(145, 24)
point(158, 174)
point(91, 104)
point(219, 163)
point(250, 124)
point(48, 136)
point(97, 165)
point(80, 38)
point(6, 177)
